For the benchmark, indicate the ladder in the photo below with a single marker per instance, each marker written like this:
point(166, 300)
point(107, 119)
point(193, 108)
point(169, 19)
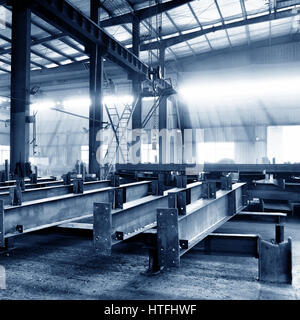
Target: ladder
point(118, 144)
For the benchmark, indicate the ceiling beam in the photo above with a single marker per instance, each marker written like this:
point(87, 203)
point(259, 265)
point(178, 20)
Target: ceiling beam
point(32, 50)
point(188, 36)
point(254, 45)
point(200, 25)
point(245, 15)
point(143, 14)
point(64, 16)
point(223, 22)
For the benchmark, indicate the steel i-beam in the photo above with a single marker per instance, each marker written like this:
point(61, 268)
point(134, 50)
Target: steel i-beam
point(45, 213)
point(139, 215)
point(177, 234)
point(48, 192)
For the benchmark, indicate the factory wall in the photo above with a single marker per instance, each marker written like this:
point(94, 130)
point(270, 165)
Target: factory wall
point(250, 142)
point(59, 141)
point(243, 122)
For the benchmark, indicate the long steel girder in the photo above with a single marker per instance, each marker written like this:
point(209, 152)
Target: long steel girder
point(212, 167)
point(177, 234)
point(268, 191)
point(52, 191)
point(35, 185)
point(113, 226)
point(54, 211)
point(13, 182)
point(73, 22)
point(43, 213)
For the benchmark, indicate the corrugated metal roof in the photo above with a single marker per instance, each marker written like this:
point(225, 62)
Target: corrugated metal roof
point(192, 16)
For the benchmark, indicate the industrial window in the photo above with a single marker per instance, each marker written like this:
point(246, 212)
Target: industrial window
point(281, 144)
point(213, 152)
point(85, 154)
point(4, 153)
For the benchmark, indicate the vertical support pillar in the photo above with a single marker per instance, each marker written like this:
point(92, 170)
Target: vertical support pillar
point(96, 108)
point(162, 108)
point(2, 229)
point(168, 238)
point(6, 171)
point(102, 228)
point(136, 83)
point(20, 85)
point(279, 233)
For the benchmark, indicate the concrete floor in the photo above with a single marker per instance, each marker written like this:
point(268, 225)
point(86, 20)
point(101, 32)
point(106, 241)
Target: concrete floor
point(60, 265)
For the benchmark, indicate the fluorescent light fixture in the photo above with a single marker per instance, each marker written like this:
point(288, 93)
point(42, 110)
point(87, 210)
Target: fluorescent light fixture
point(82, 58)
point(51, 65)
point(66, 61)
point(42, 105)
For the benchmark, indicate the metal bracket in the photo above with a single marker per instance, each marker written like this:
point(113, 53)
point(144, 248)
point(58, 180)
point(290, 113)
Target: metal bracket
point(67, 179)
point(184, 244)
point(19, 228)
point(208, 190)
point(102, 228)
point(275, 262)
point(119, 198)
point(154, 187)
point(111, 195)
point(78, 186)
point(157, 188)
point(232, 203)
point(119, 235)
point(20, 183)
point(115, 181)
point(177, 200)
point(33, 178)
point(181, 181)
point(168, 238)
point(226, 183)
point(2, 176)
point(15, 194)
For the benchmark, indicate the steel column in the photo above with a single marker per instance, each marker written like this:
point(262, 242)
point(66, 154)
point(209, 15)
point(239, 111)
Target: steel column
point(96, 108)
point(136, 82)
point(20, 85)
point(162, 108)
